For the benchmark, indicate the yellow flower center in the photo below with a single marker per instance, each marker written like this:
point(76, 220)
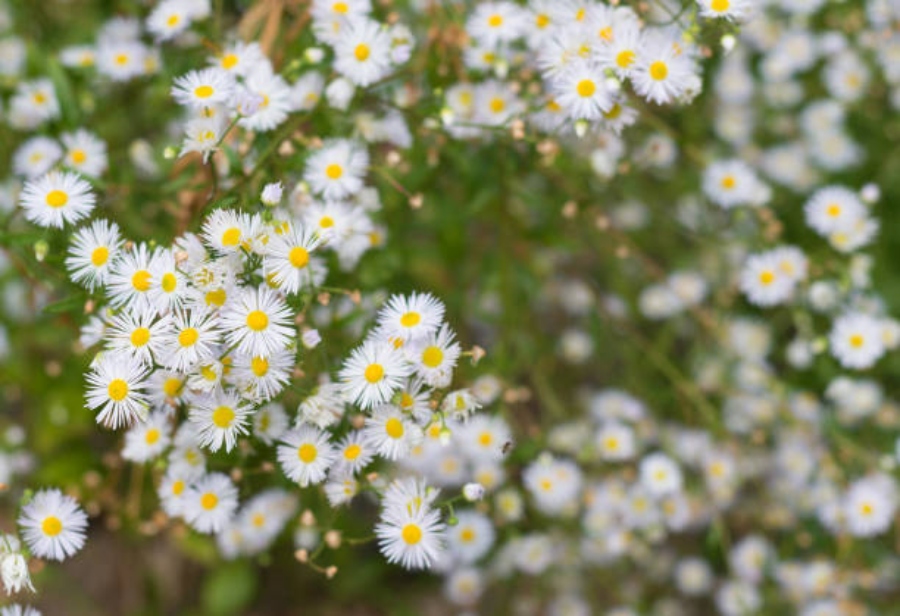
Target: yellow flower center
point(229, 61)
point(141, 280)
point(121, 59)
point(57, 198)
point(410, 319)
point(203, 91)
point(467, 535)
point(188, 337)
point(406, 401)
point(720, 6)
point(856, 341)
point(117, 390)
point(51, 526)
point(259, 365)
point(151, 436)
point(334, 171)
point(766, 277)
point(326, 222)
point(231, 237)
point(411, 534)
point(374, 373)
point(586, 88)
point(257, 320)
point(223, 416)
point(140, 336)
point(659, 70)
point(542, 21)
point(307, 453)
point(834, 210)
point(728, 182)
point(178, 487)
point(215, 298)
point(432, 356)
point(169, 282)
point(78, 156)
point(352, 452)
point(361, 52)
point(485, 439)
point(495, 21)
point(99, 256)
point(172, 387)
point(209, 501)
point(258, 520)
point(298, 256)
point(340, 7)
point(625, 58)
point(394, 427)
point(173, 20)
point(497, 105)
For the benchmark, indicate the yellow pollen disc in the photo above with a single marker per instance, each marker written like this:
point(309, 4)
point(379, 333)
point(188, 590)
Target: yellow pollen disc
point(77, 156)
point(141, 281)
point(467, 535)
point(606, 34)
point(173, 20)
point(203, 91)
point(614, 112)
point(326, 222)
point(208, 373)
point(260, 366)
point(659, 475)
point(178, 487)
point(298, 256)
point(834, 210)
point(432, 357)
point(307, 453)
point(121, 59)
point(258, 520)
point(257, 320)
point(361, 52)
point(223, 416)
point(209, 501)
point(728, 182)
point(720, 6)
point(406, 401)
point(542, 21)
point(485, 439)
point(856, 341)
point(99, 256)
point(497, 105)
point(188, 337)
point(117, 390)
point(39, 98)
point(394, 427)
point(51, 526)
point(411, 534)
point(229, 61)
point(340, 7)
point(866, 509)
point(169, 282)
point(57, 198)
point(554, 106)
point(611, 443)
point(766, 277)
point(231, 237)
point(546, 484)
point(172, 387)
point(352, 452)
point(659, 70)
point(495, 21)
point(215, 298)
point(410, 319)
point(625, 58)
point(151, 436)
point(374, 373)
point(140, 336)
point(586, 88)
point(334, 171)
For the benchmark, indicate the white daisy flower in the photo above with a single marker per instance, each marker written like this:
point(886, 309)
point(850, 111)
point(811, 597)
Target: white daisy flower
point(373, 373)
point(413, 540)
point(219, 419)
point(130, 279)
point(240, 58)
point(471, 537)
point(275, 96)
point(435, 357)
point(363, 52)
point(660, 475)
point(390, 433)
point(856, 341)
point(353, 453)
point(730, 183)
point(85, 152)
point(263, 378)
point(615, 442)
point(495, 23)
point(257, 322)
point(116, 387)
point(203, 88)
point(288, 263)
point(663, 72)
point(405, 318)
point(764, 282)
point(192, 338)
point(306, 455)
point(581, 90)
point(169, 19)
point(833, 209)
point(53, 525)
point(148, 439)
point(270, 422)
point(337, 170)
point(57, 198)
point(168, 286)
point(737, 10)
point(210, 503)
point(35, 157)
point(92, 251)
point(138, 334)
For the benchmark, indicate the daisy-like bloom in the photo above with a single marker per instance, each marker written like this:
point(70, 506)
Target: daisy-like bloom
point(496, 103)
point(833, 209)
point(257, 322)
point(274, 96)
point(412, 538)
point(660, 475)
point(220, 419)
point(36, 157)
point(165, 389)
point(764, 282)
point(53, 525)
point(622, 52)
point(581, 90)
point(363, 52)
point(856, 341)
point(435, 357)
point(85, 152)
point(116, 387)
point(554, 484)
point(390, 433)
point(373, 373)
point(228, 231)
point(664, 71)
point(169, 19)
point(130, 279)
point(210, 503)
point(192, 339)
point(869, 506)
point(483, 437)
point(738, 10)
point(138, 334)
point(173, 488)
point(307, 91)
point(269, 423)
point(202, 135)
point(306, 455)
point(615, 442)
point(57, 198)
point(730, 183)
point(121, 60)
point(203, 88)
point(495, 23)
point(471, 537)
point(263, 378)
point(263, 518)
point(460, 404)
point(240, 58)
point(330, 220)
point(406, 318)
point(288, 261)
point(337, 170)
point(168, 286)
point(91, 253)
point(148, 439)
point(353, 453)
point(340, 490)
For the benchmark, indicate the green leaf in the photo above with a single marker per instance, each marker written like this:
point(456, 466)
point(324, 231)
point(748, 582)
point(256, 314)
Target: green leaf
point(66, 304)
point(229, 590)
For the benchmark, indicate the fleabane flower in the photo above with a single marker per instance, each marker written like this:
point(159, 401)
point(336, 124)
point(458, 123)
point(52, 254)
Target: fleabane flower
point(737, 10)
point(210, 504)
point(730, 183)
point(411, 537)
point(57, 198)
point(660, 475)
point(116, 387)
point(664, 71)
point(856, 340)
point(409, 317)
point(373, 373)
point(92, 251)
point(390, 433)
point(582, 92)
point(764, 282)
point(203, 88)
point(337, 170)
point(258, 322)
point(834, 209)
point(363, 52)
point(435, 357)
point(146, 440)
point(306, 455)
point(219, 419)
point(289, 264)
point(53, 525)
